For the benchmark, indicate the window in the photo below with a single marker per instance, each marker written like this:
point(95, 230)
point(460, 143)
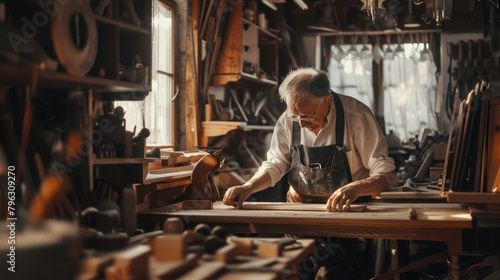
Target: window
point(409, 83)
point(351, 72)
point(156, 112)
point(409, 90)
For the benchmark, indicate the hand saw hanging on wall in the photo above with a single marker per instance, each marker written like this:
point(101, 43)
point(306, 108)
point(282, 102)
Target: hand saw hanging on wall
point(371, 7)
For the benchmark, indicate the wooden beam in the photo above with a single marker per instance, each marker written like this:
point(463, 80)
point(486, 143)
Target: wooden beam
point(192, 82)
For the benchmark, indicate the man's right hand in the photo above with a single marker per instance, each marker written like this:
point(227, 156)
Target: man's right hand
point(235, 196)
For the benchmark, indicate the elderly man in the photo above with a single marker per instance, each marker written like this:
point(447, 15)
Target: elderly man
point(332, 149)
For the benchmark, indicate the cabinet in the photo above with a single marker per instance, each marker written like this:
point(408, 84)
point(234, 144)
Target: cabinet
point(245, 77)
point(124, 38)
point(54, 84)
point(104, 51)
point(250, 51)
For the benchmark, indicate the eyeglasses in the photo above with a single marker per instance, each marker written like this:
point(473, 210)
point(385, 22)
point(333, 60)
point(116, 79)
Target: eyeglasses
point(309, 118)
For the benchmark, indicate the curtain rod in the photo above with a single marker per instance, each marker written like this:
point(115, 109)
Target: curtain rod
point(374, 33)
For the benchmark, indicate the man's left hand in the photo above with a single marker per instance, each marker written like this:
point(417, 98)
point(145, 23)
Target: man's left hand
point(341, 199)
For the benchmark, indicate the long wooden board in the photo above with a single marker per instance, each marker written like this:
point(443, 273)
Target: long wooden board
point(493, 160)
point(285, 206)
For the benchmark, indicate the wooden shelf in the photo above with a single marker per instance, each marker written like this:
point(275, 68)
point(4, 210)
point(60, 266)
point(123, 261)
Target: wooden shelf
point(168, 177)
point(219, 128)
point(222, 79)
point(216, 128)
point(21, 75)
point(104, 161)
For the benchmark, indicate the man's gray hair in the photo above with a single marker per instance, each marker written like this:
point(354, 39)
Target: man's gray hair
point(305, 80)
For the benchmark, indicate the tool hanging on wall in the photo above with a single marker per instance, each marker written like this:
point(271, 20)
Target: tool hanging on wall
point(215, 33)
point(371, 7)
point(437, 11)
point(473, 62)
point(204, 18)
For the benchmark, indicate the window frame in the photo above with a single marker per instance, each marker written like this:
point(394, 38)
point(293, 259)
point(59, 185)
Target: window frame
point(173, 7)
point(172, 78)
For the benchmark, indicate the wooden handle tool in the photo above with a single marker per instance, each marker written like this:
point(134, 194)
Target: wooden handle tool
point(273, 249)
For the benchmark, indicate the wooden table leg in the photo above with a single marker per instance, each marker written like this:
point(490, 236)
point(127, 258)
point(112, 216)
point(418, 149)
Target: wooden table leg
point(454, 245)
point(455, 267)
point(395, 257)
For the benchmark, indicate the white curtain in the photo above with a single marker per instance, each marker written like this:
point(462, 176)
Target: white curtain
point(409, 91)
point(408, 88)
point(351, 72)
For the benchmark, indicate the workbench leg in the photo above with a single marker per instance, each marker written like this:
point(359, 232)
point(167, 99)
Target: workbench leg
point(454, 245)
point(394, 257)
point(455, 267)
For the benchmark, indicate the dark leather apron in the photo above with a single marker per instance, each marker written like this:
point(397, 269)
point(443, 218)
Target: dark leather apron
point(316, 172)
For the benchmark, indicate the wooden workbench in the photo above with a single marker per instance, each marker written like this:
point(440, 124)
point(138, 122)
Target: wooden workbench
point(433, 222)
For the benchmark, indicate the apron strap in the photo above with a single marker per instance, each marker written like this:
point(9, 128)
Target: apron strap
point(296, 134)
point(339, 124)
